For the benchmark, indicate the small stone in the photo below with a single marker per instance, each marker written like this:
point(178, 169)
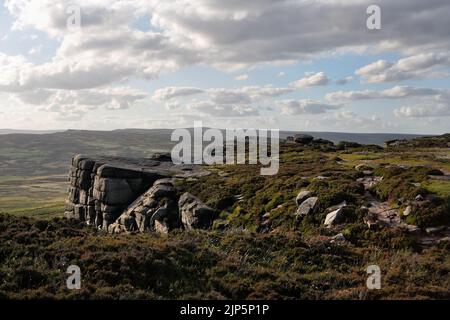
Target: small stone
point(407, 211)
point(339, 237)
point(419, 197)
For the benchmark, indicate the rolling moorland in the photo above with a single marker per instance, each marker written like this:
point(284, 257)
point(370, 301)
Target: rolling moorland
point(393, 205)
point(34, 166)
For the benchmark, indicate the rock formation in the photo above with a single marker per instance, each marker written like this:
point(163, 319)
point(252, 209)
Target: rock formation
point(126, 195)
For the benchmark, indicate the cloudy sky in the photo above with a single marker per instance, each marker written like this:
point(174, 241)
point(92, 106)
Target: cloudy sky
point(287, 64)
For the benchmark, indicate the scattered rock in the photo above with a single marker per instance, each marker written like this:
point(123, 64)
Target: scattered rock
point(307, 206)
point(334, 217)
point(338, 238)
point(302, 196)
point(419, 197)
point(407, 211)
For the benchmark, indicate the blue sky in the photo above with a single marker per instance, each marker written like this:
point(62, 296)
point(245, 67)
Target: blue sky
point(154, 64)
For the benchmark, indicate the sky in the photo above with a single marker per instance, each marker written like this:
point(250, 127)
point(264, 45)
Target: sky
point(304, 65)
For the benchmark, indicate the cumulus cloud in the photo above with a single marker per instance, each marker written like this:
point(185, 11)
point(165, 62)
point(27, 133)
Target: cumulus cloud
point(175, 92)
point(427, 102)
point(211, 108)
point(311, 80)
point(422, 111)
point(112, 47)
point(235, 34)
point(221, 102)
point(413, 67)
point(299, 107)
point(70, 104)
point(397, 92)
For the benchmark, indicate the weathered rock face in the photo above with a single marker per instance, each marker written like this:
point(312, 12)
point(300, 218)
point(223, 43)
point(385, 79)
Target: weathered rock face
point(100, 189)
point(127, 195)
point(194, 213)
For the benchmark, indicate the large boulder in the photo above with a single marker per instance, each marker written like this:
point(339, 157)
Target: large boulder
point(194, 213)
point(307, 206)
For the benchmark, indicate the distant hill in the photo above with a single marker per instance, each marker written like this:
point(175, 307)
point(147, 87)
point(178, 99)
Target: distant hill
point(363, 138)
point(40, 153)
point(14, 131)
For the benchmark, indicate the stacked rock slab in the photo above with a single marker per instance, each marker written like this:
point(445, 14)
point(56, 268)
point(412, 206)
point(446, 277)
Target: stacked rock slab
point(100, 189)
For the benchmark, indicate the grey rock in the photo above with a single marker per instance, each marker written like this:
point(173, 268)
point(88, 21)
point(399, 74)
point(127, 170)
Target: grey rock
point(307, 206)
point(194, 213)
point(338, 206)
point(334, 217)
point(302, 196)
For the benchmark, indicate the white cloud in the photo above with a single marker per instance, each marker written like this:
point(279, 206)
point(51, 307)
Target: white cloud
point(397, 92)
point(175, 92)
point(311, 80)
point(211, 108)
point(298, 107)
point(70, 104)
point(414, 67)
point(242, 77)
point(422, 111)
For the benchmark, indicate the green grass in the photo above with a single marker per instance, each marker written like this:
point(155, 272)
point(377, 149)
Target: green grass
point(441, 188)
point(42, 197)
